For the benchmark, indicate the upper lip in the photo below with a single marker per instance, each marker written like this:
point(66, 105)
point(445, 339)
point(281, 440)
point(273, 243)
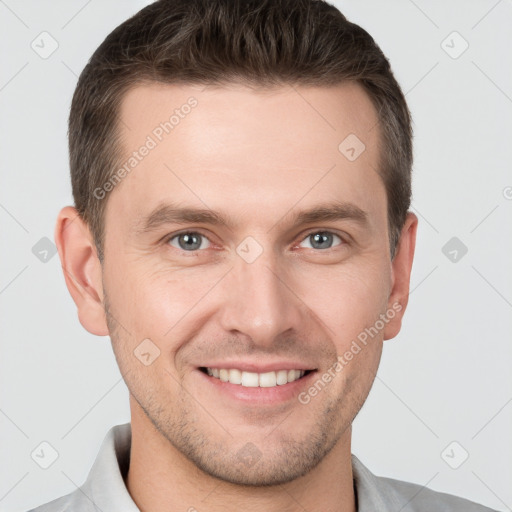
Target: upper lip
point(259, 367)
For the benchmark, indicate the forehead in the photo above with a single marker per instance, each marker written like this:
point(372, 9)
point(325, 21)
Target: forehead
point(270, 116)
point(283, 145)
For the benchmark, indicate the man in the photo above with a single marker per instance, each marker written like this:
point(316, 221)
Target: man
point(241, 173)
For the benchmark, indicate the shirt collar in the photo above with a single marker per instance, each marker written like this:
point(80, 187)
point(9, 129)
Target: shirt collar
point(371, 491)
point(105, 486)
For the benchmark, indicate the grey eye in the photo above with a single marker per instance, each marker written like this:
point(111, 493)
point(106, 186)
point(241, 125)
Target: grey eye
point(190, 241)
point(321, 240)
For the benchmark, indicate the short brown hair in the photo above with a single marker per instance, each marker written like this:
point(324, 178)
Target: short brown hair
point(257, 42)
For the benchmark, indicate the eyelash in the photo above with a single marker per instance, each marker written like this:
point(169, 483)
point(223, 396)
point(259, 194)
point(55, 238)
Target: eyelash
point(168, 239)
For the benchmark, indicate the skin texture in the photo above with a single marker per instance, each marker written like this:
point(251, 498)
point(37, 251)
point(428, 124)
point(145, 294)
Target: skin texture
point(257, 157)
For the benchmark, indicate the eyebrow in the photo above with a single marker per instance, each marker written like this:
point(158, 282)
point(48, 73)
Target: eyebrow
point(170, 213)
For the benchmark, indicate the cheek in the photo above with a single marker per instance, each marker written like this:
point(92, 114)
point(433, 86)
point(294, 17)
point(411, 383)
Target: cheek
point(154, 301)
point(347, 299)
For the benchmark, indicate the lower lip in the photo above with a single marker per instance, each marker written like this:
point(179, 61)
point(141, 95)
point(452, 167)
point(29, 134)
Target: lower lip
point(259, 395)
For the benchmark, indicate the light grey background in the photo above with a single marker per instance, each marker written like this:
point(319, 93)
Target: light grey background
point(445, 378)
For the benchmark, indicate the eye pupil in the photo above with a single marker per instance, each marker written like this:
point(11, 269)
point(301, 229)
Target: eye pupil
point(324, 239)
point(190, 241)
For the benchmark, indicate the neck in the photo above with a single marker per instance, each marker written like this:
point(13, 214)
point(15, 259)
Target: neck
point(161, 478)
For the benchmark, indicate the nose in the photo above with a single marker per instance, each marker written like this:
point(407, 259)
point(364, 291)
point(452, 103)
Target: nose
point(259, 301)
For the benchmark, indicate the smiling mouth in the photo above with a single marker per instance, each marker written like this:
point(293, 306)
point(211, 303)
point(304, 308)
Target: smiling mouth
point(254, 380)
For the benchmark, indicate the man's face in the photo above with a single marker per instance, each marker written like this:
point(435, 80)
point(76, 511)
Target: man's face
point(260, 294)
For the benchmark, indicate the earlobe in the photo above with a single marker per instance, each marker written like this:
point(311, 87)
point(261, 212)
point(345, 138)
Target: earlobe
point(82, 269)
point(401, 267)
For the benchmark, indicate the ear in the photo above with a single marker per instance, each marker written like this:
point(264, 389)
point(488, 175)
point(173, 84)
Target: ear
point(82, 269)
point(401, 274)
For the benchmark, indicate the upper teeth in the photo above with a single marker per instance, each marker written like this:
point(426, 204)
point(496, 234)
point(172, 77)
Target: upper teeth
point(254, 380)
